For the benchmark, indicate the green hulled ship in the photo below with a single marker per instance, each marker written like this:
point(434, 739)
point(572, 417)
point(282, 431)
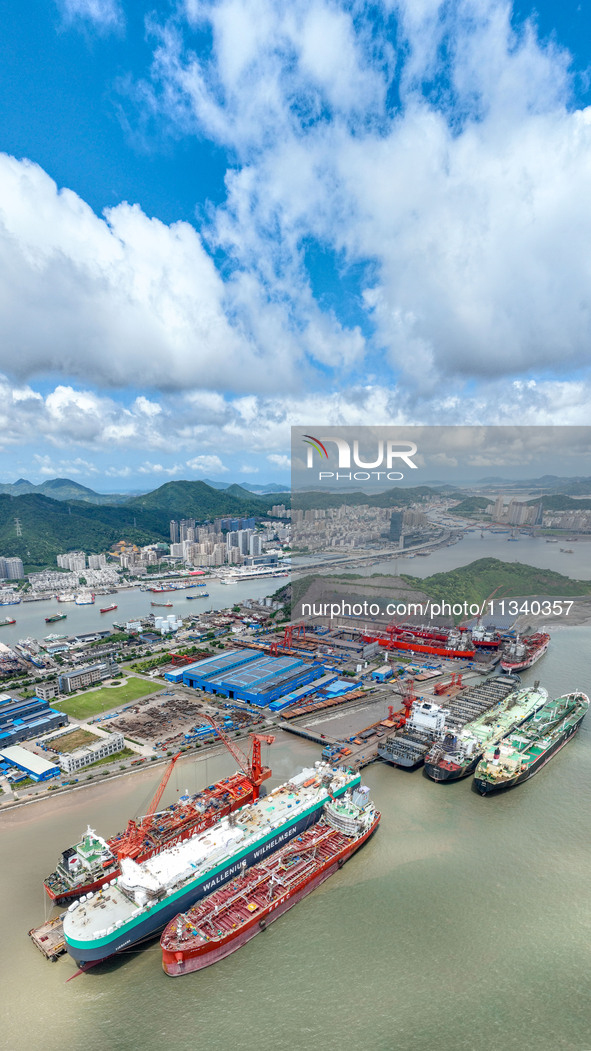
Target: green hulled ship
point(524, 751)
point(459, 754)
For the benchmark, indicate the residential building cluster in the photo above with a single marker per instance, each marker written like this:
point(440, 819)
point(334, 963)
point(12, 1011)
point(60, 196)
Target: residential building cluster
point(576, 521)
point(354, 527)
point(516, 512)
point(226, 541)
point(11, 568)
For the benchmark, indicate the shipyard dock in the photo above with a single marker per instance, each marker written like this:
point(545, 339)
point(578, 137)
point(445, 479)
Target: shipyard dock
point(49, 938)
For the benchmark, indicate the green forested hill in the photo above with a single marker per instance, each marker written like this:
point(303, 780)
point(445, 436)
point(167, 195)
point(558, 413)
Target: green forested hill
point(200, 501)
point(52, 526)
point(475, 582)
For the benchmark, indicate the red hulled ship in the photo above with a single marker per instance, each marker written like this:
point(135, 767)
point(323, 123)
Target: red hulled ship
point(229, 917)
point(440, 643)
point(94, 861)
point(525, 651)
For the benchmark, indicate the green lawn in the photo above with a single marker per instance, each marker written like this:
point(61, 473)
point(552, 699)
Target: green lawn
point(93, 702)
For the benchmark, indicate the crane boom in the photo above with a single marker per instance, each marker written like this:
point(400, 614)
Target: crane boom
point(253, 768)
point(160, 790)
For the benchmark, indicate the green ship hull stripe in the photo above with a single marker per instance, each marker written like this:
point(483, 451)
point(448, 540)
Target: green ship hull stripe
point(208, 875)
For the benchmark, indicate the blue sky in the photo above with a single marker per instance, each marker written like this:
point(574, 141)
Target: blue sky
point(225, 217)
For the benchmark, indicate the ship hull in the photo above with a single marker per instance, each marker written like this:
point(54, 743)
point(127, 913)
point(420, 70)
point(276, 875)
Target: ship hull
point(199, 824)
point(528, 662)
point(154, 924)
point(451, 772)
point(486, 787)
point(178, 963)
point(402, 762)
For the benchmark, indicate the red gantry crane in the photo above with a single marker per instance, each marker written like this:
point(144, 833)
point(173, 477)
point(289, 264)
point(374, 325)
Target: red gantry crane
point(253, 767)
point(131, 842)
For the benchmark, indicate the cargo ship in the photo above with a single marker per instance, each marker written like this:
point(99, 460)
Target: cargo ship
point(55, 617)
point(94, 861)
point(454, 643)
point(167, 604)
point(85, 598)
point(458, 755)
point(140, 902)
point(107, 609)
point(525, 751)
point(230, 917)
point(204, 594)
point(7, 620)
point(429, 722)
point(524, 651)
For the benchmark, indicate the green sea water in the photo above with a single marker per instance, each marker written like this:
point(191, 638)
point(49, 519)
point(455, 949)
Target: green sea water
point(463, 925)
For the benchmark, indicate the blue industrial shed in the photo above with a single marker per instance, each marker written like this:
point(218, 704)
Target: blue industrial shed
point(251, 677)
point(21, 719)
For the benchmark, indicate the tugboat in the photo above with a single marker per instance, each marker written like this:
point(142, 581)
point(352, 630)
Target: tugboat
point(230, 917)
point(525, 751)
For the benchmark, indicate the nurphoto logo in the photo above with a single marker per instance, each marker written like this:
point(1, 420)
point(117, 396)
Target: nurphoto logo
point(388, 453)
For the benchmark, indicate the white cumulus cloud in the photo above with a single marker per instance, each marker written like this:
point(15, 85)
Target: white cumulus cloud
point(103, 14)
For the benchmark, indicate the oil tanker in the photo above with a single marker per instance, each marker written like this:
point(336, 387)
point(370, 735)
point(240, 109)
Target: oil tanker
point(231, 916)
point(525, 751)
point(458, 755)
point(525, 651)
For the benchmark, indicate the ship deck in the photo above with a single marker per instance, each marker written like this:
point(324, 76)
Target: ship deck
point(235, 904)
point(141, 886)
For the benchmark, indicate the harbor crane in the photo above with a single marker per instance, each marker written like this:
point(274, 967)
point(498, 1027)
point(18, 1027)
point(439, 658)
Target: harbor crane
point(133, 838)
point(252, 767)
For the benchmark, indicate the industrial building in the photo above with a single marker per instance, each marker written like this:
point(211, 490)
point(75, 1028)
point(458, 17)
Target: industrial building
point(46, 690)
point(247, 676)
point(34, 766)
point(20, 720)
point(350, 644)
point(73, 680)
point(71, 761)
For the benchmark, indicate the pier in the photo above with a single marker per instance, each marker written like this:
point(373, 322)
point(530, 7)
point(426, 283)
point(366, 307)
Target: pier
point(49, 938)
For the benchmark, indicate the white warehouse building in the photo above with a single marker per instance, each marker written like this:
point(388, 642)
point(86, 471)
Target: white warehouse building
point(71, 761)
